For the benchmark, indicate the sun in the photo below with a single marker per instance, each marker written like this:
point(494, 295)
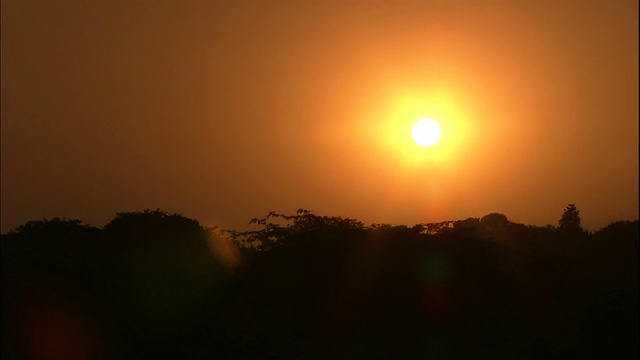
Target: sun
point(426, 132)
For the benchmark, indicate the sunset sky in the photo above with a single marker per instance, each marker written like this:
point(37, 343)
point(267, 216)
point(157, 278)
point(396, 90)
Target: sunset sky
point(225, 110)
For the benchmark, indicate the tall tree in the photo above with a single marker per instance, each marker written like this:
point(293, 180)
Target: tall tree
point(570, 219)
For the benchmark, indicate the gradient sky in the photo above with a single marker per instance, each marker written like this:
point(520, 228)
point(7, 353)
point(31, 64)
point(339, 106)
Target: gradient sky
point(224, 110)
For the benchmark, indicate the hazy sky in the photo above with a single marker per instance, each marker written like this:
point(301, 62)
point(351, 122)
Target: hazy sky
point(224, 110)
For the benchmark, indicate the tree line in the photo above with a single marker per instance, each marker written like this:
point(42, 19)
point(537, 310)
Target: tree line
point(151, 284)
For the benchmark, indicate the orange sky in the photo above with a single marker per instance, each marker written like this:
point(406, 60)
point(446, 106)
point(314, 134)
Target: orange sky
point(223, 111)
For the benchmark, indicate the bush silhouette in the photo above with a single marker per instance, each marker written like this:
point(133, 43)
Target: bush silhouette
point(152, 284)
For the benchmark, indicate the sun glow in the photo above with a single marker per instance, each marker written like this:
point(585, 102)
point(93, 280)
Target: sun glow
point(426, 141)
point(426, 132)
point(390, 139)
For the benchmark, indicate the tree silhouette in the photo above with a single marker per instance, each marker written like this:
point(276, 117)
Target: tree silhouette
point(570, 219)
point(494, 222)
point(319, 287)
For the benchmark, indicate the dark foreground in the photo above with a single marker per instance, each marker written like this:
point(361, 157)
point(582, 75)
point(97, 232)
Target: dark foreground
point(155, 285)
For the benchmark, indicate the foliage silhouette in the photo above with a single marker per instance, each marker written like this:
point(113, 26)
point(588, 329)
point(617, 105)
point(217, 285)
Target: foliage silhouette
point(570, 220)
point(156, 285)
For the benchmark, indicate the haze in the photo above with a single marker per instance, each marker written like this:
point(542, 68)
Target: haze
point(223, 111)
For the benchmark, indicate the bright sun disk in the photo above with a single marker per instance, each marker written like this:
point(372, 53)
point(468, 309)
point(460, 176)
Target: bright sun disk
point(426, 132)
